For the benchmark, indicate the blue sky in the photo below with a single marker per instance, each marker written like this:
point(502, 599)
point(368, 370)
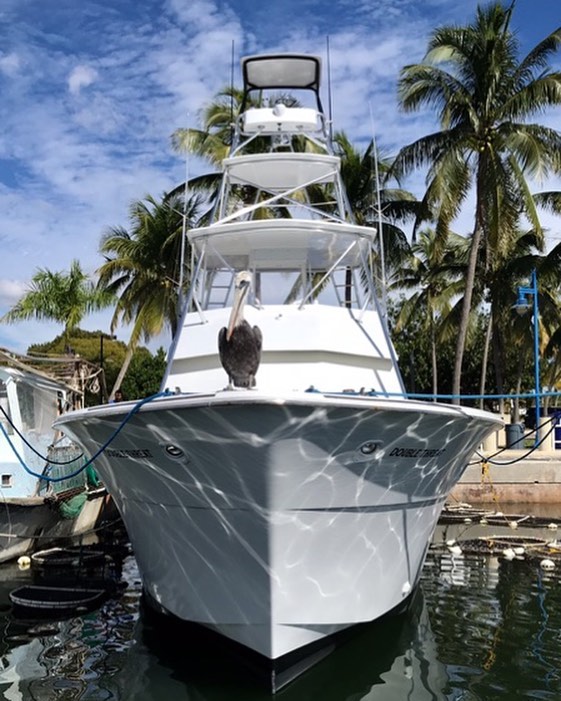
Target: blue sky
point(92, 90)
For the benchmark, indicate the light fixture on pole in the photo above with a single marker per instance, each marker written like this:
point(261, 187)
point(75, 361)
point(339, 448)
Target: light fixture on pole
point(522, 305)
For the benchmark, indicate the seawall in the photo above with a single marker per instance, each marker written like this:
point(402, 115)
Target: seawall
point(513, 476)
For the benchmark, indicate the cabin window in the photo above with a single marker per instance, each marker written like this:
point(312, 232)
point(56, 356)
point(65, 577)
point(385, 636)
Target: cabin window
point(38, 408)
point(6, 481)
point(5, 415)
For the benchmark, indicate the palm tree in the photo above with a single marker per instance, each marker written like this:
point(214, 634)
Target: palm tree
point(484, 97)
point(63, 297)
point(214, 140)
point(435, 276)
point(374, 203)
point(547, 267)
point(143, 268)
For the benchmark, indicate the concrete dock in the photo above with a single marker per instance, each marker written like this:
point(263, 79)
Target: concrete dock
point(512, 477)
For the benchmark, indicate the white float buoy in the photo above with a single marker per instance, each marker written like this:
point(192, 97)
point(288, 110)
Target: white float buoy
point(547, 564)
point(513, 524)
point(519, 550)
point(483, 521)
point(24, 562)
point(455, 549)
point(467, 520)
point(552, 526)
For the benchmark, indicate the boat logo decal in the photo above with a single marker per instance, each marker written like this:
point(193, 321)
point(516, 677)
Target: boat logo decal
point(137, 453)
point(417, 452)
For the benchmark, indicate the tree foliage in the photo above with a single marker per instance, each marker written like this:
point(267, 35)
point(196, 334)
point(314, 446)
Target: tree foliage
point(143, 270)
point(484, 97)
point(65, 297)
point(145, 371)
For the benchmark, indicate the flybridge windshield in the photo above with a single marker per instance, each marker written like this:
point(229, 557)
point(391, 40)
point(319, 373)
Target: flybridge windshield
point(281, 71)
point(215, 289)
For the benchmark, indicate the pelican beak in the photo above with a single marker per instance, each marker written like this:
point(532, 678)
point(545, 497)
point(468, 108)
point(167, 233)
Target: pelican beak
point(237, 306)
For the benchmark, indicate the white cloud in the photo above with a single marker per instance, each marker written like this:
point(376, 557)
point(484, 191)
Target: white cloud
point(11, 291)
point(80, 77)
point(10, 64)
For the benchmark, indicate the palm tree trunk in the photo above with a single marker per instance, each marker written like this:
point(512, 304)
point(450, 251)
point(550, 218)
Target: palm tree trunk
point(466, 310)
point(498, 356)
point(434, 361)
point(123, 370)
point(516, 410)
point(484, 362)
point(470, 283)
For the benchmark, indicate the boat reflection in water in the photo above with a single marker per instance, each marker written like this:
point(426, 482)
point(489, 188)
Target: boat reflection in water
point(392, 659)
point(478, 627)
point(118, 653)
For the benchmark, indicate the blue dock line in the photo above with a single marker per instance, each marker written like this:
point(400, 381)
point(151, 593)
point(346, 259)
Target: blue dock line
point(371, 393)
point(28, 444)
point(135, 409)
point(418, 395)
point(551, 421)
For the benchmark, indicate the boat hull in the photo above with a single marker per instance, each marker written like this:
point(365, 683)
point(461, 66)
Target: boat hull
point(279, 522)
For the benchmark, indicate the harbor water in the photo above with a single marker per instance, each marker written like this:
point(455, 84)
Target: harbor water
point(480, 627)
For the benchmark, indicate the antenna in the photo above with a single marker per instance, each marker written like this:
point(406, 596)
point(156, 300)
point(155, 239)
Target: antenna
point(232, 96)
point(183, 237)
point(329, 101)
point(379, 207)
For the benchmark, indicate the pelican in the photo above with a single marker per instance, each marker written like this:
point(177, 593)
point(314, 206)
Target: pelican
point(239, 345)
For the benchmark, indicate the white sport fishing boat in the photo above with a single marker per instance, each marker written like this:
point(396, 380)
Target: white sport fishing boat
point(287, 489)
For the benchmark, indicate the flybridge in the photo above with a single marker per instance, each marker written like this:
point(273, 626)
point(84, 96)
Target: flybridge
point(282, 215)
point(282, 206)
